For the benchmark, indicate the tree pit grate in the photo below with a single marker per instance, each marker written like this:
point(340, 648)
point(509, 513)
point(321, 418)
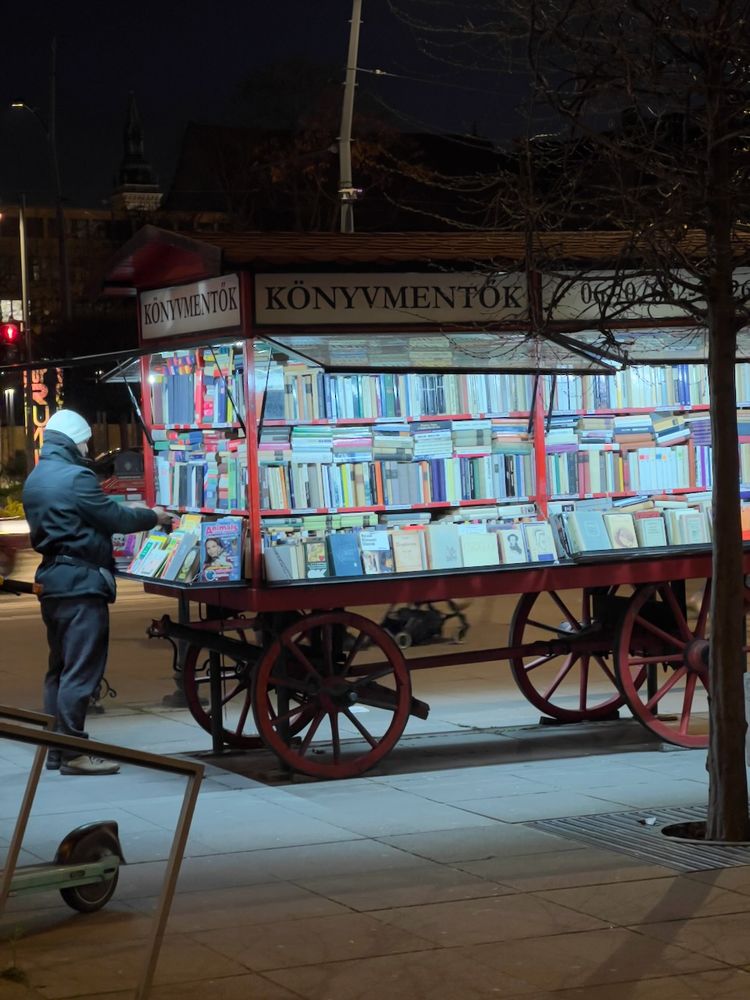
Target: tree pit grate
point(639, 835)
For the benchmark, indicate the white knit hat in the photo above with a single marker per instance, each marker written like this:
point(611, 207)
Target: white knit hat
point(71, 424)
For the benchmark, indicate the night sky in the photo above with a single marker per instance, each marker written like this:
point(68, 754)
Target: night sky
point(184, 62)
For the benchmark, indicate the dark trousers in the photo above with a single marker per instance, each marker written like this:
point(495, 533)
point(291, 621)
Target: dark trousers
point(78, 637)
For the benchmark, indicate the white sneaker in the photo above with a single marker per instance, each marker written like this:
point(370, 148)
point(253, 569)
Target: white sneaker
point(88, 764)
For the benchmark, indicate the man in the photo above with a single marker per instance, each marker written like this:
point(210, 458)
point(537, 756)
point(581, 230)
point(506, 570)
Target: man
point(72, 522)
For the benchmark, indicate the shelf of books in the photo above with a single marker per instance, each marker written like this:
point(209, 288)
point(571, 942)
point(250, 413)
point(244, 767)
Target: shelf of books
point(194, 404)
point(372, 474)
point(366, 474)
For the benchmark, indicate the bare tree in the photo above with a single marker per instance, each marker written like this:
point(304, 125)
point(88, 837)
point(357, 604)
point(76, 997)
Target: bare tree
point(276, 166)
point(644, 107)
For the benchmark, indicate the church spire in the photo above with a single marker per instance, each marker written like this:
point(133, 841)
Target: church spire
point(137, 186)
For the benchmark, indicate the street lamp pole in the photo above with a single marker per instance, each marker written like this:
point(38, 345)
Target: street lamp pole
point(52, 139)
point(50, 132)
point(28, 384)
point(347, 192)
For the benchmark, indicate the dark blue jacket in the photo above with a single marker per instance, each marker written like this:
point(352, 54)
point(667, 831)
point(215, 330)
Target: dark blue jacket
point(72, 522)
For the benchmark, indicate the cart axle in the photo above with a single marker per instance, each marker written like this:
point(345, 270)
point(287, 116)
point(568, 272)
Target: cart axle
point(165, 628)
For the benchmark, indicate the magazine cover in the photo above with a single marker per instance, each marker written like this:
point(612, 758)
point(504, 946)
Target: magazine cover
point(221, 550)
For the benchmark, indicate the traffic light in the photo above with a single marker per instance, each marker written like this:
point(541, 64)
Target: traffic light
point(11, 338)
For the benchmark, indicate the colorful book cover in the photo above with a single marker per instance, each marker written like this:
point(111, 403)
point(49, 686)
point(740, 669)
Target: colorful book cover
point(444, 546)
point(621, 530)
point(407, 552)
point(316, 559)
point(539, 541)
point(512, 544)
point(190, 566)
point(221, 550)
point(377, 556)
point(694, 529)
point(150, 556)
point(152, 561)
point(179, 545)
point(479, 549)
point(650, 531)
point(344, 552)
point(587, 531)
point(280, 562)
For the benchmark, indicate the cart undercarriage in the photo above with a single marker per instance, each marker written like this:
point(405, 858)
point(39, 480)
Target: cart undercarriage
point(328, 690)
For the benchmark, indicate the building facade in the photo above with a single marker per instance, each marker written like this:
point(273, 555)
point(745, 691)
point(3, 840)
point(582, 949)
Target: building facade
point(89, 238)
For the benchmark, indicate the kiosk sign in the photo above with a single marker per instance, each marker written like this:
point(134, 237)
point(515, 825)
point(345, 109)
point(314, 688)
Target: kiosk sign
point(353, 299)
point(213, 304)
point(610, 296)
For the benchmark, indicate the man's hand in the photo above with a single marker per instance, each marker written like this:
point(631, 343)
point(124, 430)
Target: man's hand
point(163, 517)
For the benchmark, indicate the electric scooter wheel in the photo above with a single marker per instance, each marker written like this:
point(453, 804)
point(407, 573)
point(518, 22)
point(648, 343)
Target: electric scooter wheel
point(90, 898)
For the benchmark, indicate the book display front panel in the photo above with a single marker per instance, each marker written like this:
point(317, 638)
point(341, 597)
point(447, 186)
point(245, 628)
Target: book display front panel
point(197, 405)
point(196, 402)
point(399, 472)
point(366, 474)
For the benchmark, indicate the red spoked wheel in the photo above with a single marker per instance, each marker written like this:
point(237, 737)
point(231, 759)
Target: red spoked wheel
point(236, 673)
point(660, 641)
point(568, 672)
point(331, 695)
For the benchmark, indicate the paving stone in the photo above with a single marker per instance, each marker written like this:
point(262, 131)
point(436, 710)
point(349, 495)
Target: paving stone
point(447, 974)
point(591, 958)
point(476, 921)
point(262, 947)
point(649, 901)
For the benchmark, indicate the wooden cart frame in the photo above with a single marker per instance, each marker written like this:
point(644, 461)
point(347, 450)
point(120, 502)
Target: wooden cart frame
point(289, 667)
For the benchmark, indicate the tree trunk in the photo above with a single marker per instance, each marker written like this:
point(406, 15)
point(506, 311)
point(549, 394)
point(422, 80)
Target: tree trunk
point(728, 797)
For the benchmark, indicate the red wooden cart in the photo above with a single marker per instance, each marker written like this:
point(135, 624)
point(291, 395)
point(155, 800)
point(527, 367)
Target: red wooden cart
point(288, 666)
point(329, 691)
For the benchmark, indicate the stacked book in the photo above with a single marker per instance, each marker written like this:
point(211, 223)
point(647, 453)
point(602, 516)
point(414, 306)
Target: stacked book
point(595, 430)
point(310, 394)
point(743, 383)
point(600, 469)
point(472, 437)
point(410, 544)
point(669, 429)
point(291, 527)
point(275, 446)
point(203, 387)
point(658, 469)
point(636, 387)
point(633, 452)
point(639, 522)
point(174, 556)
point(352, 444)
point(125, 547)
point(633, 429)
point(200, 469)
point(298, 486)
point(393, 442)
point(432, 440)
point(310, 444)
point(198, 550)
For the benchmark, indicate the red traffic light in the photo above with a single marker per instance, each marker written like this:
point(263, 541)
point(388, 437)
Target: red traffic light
point(10, 333)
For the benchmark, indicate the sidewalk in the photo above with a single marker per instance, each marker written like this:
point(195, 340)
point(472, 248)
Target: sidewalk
point(427, 878)
point(405, 885)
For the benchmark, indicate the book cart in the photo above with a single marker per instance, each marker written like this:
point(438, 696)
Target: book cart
point(300, 666)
